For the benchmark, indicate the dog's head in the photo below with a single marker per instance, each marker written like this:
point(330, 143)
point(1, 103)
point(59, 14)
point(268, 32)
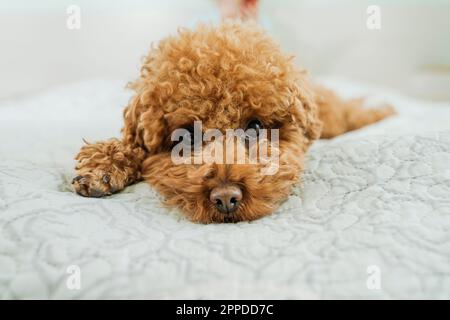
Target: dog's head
point(204, 83)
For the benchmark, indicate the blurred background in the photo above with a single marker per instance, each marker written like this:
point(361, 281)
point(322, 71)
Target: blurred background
point(410, 52)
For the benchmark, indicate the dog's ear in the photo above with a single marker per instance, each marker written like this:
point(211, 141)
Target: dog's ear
point(144, 117)
point(144, 123)
point(305, 112)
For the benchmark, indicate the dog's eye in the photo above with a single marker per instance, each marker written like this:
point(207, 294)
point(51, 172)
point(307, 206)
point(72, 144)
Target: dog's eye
point(188, 138)
point(253, 128)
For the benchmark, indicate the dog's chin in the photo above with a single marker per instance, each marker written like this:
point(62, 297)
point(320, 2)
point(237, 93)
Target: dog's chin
point(214, 216)
point(207, 214)
point(226, 218)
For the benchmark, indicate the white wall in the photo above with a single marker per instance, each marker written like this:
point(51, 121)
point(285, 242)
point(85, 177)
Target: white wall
point(411, 52)
point(37, 49)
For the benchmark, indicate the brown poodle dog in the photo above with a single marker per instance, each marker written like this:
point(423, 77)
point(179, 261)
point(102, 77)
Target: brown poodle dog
point(228, 77)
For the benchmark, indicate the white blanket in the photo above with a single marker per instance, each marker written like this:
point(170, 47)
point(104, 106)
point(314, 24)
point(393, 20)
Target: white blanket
point(370, 219)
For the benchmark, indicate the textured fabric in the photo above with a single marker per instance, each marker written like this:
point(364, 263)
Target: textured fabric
point(378, 197)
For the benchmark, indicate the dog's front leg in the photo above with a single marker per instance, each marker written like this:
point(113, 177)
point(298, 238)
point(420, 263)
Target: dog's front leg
point(107, 167)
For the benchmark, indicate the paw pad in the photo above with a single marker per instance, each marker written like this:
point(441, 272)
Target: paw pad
point(84, 187)
point(106, 178)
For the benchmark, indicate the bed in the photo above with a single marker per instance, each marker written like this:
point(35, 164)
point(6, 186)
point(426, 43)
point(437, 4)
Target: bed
point(370, 218)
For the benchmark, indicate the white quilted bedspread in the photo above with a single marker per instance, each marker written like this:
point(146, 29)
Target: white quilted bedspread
point(372, 203)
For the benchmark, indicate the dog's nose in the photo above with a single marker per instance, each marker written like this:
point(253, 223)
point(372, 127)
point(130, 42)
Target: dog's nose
point(226, 198)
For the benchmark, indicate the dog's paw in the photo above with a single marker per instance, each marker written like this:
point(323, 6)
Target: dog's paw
point(94, 185)
point(106, 167)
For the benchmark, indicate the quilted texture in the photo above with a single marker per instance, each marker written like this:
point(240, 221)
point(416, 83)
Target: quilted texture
point(376, 197)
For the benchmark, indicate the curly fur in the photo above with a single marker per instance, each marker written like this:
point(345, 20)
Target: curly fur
point(223, 76)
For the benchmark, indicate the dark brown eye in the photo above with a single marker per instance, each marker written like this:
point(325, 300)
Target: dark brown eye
point(188, 138)
point(253, 128)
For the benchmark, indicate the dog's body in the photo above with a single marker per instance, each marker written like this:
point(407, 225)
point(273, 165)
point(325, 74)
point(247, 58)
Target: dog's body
point(226, 77)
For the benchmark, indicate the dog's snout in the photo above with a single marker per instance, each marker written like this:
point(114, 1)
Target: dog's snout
point(226, 198)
